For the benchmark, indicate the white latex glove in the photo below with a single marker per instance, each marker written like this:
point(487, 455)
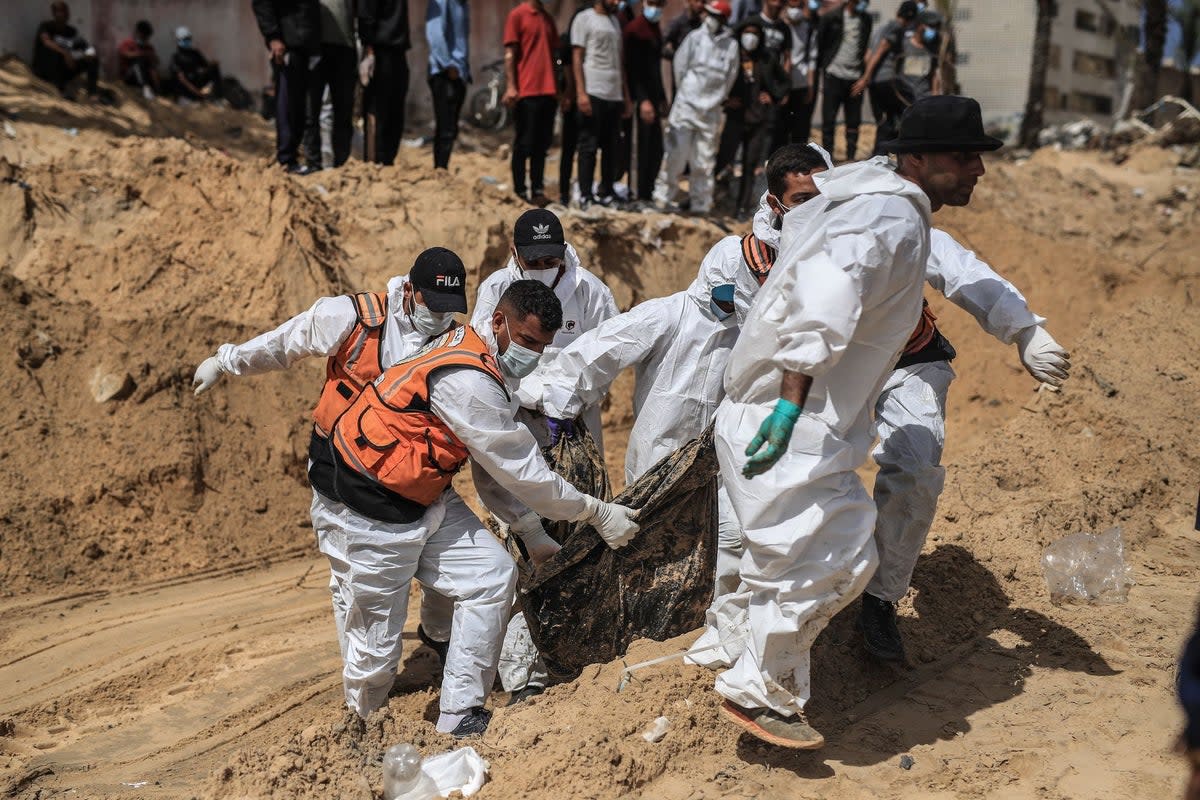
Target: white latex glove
point(207, 375)
point(366, 69)
point(1043, 357)
point(538, 543)
point(614, 523)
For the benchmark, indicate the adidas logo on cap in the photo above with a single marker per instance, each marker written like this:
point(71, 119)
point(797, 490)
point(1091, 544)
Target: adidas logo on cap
point(541, 232)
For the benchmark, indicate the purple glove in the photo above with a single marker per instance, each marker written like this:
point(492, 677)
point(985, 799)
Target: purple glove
point(560, 429)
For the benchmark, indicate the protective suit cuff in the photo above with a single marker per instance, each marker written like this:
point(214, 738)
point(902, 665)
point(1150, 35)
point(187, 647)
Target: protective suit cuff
point(225, 359)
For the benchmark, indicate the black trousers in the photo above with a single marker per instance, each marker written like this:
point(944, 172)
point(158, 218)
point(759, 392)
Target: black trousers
point(53, 68)
point(731, 138)
point(649, 156)
point(337, 69)
point(566, 164)
point(448, 95)
point(383, 105)
point(535, 131)
point(625, 153)
point(837, 96)
point(293, 82)
point(888, 107)
point(599, 131)
point(757, 139)
point(795, 120)
point(211, 77)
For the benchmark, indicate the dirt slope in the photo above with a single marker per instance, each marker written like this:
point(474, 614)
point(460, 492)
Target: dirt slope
point(164, 626)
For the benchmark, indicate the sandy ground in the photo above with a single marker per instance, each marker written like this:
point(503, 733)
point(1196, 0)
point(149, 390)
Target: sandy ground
point(164, 621)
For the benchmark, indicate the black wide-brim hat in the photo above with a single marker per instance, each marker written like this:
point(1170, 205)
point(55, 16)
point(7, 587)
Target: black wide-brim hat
point(942, 124)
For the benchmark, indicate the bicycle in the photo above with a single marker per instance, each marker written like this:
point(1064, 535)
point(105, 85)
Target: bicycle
point(487, 109)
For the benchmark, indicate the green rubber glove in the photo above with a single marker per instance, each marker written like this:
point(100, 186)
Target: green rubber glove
point(775, 432)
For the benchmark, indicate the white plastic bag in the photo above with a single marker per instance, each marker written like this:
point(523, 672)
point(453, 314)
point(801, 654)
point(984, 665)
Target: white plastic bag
point(461, 770)
point(1087, 568)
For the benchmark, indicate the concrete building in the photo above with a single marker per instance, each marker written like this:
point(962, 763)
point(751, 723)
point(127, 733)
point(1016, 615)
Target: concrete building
point(1092, 45)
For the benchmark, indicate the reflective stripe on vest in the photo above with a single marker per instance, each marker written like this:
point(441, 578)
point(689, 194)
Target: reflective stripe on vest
point(759, 257)
point(923, 335)
point(355, 364)
point(390, 435)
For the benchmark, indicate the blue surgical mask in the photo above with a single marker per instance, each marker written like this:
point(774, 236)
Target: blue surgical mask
point(517, 361)
point(185, 44)
point(723, 293)
point(929, 35)
point(652, 13)
point(622, 6)
point(862, 6)
point(814, 5)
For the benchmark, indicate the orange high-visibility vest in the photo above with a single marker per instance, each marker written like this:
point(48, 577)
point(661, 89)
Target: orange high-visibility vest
point(923, 335)
point(759, 257)
point(355, 364)
point(389, 434)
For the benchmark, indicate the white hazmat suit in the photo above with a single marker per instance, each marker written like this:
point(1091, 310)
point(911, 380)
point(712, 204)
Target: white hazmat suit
point(586, 302)
point(705, 68)
point(839, 305)
point(911, 413)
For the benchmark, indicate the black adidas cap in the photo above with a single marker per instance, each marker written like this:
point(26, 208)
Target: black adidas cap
point(442, 279)
point(539, 234)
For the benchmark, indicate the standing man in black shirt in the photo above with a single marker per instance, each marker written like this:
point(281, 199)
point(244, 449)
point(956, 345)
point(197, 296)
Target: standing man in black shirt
point(643, 56)
point(292, 31)
point(383, 30)
point(842, 38)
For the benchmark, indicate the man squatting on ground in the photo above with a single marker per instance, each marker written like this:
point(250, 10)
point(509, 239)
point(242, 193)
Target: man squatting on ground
point(381, 461)
point(823, 335)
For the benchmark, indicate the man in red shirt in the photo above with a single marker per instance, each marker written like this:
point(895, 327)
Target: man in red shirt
point(530, 37)
point(138, 61)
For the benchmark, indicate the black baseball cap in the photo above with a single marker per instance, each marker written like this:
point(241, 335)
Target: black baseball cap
point(539, 234)
point(907, 10)
point(440, 275)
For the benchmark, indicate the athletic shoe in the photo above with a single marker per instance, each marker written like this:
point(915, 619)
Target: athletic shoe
point(880, 634)
point(792, 732)
point(473, 724)
point(532, 690)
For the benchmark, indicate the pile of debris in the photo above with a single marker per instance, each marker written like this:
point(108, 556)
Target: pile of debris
point(1171, 123)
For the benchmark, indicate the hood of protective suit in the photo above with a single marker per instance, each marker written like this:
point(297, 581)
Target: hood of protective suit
point(566, 285)
point(716, 272)
point(874, 176)
point(765, 225)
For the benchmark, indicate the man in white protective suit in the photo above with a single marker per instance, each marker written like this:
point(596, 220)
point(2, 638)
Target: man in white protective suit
point(679, 345)
point(910, 416)
point(384, 512)
point(540, 252)
point(705, 68)
point(819, 343)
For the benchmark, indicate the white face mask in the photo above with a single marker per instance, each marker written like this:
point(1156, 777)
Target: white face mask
point(713, 24)
point(545, 276)
point(749, 42)
point(428, 322)
point(795, 14)
point(517, 361)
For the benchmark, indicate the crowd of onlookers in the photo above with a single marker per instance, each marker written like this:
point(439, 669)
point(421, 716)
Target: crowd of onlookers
point(742, 81)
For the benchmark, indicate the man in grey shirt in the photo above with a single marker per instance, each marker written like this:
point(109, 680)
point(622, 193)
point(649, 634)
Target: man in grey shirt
point(601, 96)
point(842, 38)
point(880, 73)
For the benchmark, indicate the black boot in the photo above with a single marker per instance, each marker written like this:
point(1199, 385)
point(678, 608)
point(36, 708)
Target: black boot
point(880, 634)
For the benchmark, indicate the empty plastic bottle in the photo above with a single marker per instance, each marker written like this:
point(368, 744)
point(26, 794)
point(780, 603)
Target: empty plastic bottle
point(402, 775)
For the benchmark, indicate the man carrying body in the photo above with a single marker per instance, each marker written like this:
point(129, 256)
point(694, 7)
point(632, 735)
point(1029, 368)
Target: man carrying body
point(540, 252)
point(60, 53)
point(822, 337)
point(705, 68)
point(383, 511)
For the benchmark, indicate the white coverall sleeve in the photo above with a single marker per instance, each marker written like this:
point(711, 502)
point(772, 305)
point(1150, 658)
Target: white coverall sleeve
point(319, 331)
point(825, 295)
point(976, 288)
point(476, 409)
point(683, 56)
point(583, 371)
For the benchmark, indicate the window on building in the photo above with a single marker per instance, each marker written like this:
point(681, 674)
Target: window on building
point(1086, 21)
point(962, 14)
point(1090, 103)
point(1055, 59)
point(962, 58)
point(1093, 65)
point(1053, 98)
